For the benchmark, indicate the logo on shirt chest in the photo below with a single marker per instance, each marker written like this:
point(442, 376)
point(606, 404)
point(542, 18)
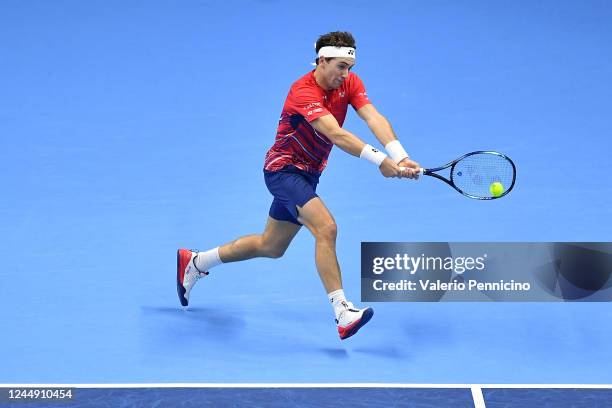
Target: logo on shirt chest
point(330, 102)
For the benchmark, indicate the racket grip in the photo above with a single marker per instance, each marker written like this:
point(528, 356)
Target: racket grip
point(404, 168)
point(421, 171)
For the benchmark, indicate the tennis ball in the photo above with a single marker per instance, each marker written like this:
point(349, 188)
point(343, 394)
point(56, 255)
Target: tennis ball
point(496, 189)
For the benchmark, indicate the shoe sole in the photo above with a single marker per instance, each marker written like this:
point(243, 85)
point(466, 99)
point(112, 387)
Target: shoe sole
point(351, 330)
point(181, 264)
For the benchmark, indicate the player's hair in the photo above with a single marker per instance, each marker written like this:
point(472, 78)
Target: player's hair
point(335, 39)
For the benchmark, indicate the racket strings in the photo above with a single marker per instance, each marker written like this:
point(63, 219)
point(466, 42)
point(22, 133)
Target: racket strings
point(474, 174)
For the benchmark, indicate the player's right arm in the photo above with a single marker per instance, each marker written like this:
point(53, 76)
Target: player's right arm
point(328, 125)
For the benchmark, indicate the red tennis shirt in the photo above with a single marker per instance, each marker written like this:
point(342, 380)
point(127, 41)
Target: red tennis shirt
point(297, 142)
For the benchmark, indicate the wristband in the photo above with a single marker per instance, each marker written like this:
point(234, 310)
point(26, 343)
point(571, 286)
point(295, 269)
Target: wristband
point(372, 155)
point(396, 151)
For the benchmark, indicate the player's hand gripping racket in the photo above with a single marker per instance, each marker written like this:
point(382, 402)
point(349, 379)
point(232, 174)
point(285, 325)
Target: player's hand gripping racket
point(480, 175)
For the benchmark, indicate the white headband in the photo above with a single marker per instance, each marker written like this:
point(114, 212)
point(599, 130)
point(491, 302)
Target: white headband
point(337, 52)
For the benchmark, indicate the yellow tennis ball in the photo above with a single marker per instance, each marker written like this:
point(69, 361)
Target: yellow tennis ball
point(496, 189)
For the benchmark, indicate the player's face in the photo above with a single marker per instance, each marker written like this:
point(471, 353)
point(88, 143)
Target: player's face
point(337, 70)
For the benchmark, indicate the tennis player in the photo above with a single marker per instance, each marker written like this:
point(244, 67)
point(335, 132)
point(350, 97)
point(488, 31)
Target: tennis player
point(310, 125)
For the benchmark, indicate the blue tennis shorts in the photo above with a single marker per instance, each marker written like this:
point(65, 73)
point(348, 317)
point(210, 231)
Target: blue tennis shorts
point(291, 188)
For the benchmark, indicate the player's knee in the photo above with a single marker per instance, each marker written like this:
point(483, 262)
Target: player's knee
point(328, 231)
point(271, 250)
point(275, 252)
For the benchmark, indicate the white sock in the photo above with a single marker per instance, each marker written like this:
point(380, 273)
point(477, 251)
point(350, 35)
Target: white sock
point(336, 298)
point(207, 259)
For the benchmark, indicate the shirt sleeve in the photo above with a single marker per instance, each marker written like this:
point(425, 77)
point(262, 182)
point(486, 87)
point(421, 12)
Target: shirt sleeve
point(307, 102)
point(358, 97)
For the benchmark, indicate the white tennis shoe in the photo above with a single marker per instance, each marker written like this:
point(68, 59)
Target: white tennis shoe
point(186, 274)
point(351, 319)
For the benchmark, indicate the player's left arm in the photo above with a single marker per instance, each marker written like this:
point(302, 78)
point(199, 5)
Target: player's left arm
point(382, 129)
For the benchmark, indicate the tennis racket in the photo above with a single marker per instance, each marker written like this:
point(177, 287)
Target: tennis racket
point(480, 175)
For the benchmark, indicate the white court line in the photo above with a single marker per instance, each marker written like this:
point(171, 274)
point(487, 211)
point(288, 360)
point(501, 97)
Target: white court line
point(478, 397)
point(309, 385)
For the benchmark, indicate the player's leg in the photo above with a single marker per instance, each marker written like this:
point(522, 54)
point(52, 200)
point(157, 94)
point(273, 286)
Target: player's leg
point(319, 220)
point(272, 243)
point(281, 228)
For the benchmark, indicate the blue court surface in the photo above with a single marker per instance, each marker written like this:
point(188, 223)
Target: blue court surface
point(309, 395)
point(129, 129)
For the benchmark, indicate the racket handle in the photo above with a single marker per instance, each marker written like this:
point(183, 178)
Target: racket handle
point(421, 170)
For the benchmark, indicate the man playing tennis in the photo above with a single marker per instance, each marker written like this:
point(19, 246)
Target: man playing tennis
point(310, 125)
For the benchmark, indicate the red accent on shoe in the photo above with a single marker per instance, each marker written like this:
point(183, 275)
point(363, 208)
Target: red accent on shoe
point(348, 331)
point(184, 258)
point(344, 331)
